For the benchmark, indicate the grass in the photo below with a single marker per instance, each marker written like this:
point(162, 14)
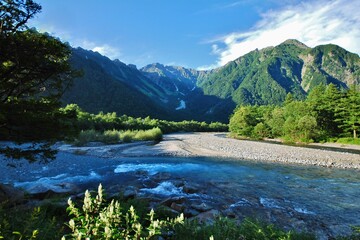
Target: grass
point(116, 136)
point(355, 141)
point(225, 228)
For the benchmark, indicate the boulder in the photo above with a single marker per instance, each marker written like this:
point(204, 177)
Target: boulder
point(208, 217)
point(177, 207)
point(171, 200)
point(229, 213)
point(189, 212)
point(10, 195)
point(44, 191)
point(130, 192)
point(202, 207)
point(191, 188)
point(161, 176)
point(64, 187)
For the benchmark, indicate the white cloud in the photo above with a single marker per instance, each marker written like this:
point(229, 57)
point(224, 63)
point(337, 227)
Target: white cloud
point(104, 49)
point(312, 22)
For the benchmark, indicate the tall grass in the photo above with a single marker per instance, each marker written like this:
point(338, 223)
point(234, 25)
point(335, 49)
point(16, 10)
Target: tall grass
point(349, 141)
point(115, 136)
point(225, 228)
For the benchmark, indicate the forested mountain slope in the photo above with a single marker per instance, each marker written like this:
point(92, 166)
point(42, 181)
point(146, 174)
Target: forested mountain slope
point(265, 76)
point(111, 86)
point(260, 77)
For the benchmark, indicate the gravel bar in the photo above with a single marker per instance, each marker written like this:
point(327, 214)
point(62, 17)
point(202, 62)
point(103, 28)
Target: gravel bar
point(217, 144)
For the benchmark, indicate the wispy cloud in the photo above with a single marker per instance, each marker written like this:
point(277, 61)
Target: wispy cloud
point(234, 4)
point(312, 22)
point(104, 49)
point(65, 36)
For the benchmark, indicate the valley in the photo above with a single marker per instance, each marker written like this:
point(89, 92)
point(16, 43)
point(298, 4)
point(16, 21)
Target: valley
point(261, 77)
point(264, 145)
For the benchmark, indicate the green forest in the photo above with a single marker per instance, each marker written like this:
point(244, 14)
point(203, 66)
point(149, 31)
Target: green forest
point(327, 114)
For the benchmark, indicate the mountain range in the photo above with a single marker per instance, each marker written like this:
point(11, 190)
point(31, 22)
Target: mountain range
point(176, 93)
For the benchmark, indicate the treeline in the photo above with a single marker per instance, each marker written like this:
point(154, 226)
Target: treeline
point(327, 114)
point(82, 120)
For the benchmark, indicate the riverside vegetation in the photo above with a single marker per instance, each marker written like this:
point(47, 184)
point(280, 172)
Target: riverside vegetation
point(101, 218)
point(327, 114)
point(35, 71)
point(115, 218)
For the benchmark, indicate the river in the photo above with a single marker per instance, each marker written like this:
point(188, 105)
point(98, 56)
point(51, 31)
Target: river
point(321, 200)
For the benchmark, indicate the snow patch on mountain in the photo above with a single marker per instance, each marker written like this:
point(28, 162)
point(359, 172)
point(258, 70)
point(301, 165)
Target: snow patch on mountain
point(182, 105)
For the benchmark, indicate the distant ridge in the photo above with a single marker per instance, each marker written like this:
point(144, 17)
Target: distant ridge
point(260, 77)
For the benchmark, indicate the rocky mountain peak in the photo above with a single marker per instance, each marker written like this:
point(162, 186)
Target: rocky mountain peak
point(295, 42)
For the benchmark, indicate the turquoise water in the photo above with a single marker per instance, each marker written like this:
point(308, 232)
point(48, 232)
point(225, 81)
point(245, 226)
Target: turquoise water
point(322, 200)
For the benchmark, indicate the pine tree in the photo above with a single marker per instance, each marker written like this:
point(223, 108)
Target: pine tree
point(348, 111)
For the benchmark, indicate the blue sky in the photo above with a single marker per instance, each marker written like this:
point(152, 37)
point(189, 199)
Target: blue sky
point(199, 34)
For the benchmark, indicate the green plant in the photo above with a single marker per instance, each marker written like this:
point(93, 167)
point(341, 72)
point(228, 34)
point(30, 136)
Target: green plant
point(127, 136)
point(25, 223)
point(98, 220)
point(349, 141)
point(152, 134)
point(225, 228)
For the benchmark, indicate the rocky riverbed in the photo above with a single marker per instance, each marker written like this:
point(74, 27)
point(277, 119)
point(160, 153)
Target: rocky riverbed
point(218, 145)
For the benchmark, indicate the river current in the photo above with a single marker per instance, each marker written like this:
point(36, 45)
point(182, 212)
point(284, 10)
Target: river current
point(324, 201)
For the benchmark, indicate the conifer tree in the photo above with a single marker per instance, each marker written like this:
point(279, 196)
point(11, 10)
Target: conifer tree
point(348, 111)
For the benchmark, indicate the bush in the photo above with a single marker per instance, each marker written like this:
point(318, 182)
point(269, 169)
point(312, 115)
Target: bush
point(127, 136)
point(87, 136)
point(27, 223)
point(114, 136)
point(260, 131)
point(111, 136)
point(97, 220)
point(152, 134)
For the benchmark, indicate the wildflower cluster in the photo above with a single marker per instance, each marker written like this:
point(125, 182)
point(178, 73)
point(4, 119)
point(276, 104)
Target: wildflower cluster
point(97, 220)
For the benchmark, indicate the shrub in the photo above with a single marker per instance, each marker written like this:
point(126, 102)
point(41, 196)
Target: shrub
point(127, 136)
point(97, 220)
point(30, 223)
point(114, 136)
point(111, 136)
point(86, 136)
point(260, 131)
point(152, 134)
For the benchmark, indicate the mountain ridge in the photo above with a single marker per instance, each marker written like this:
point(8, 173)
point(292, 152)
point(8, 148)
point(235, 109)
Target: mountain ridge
point(259, 77)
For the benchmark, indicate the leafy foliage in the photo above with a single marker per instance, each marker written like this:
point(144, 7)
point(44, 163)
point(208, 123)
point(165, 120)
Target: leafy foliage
point(109, 121)
point(38, 223)
point(348, 111)
point(14, 14)
point(34, 71)
point(326, 113)
point(98, 220)
point(114, 136)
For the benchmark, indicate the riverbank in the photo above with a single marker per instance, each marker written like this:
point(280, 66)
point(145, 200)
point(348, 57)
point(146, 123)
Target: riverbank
point(217, 144)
